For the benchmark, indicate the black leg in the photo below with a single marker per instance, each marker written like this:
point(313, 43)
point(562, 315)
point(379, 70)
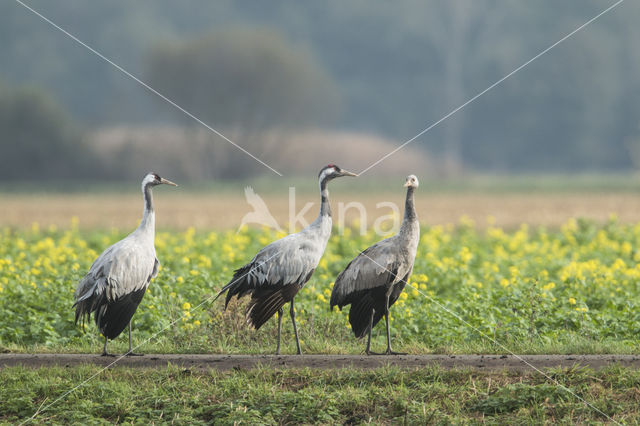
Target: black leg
point(104, 351)
point(280, 314)
point(131, 353)
point(292, 312)
point(386, 317)
point(368, 351)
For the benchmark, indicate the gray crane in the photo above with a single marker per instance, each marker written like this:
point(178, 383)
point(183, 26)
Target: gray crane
point(373, 281)
point(276, 274)
point(119, 277)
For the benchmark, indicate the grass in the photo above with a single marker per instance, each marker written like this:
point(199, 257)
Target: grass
point(271, 396)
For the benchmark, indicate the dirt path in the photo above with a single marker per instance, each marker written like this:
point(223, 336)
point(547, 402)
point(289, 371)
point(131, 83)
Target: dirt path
point(228, 362)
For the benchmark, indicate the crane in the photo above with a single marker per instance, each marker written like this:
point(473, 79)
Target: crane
point(374, 280)
point(119, 277)
point(276, 274)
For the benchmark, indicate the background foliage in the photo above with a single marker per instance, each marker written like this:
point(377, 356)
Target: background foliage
point(397, 68)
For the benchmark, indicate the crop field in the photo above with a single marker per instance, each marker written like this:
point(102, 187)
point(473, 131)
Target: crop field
point(559, 275)
point(532, 290)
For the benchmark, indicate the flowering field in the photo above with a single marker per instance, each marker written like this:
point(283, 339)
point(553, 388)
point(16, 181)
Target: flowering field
point(575, 289)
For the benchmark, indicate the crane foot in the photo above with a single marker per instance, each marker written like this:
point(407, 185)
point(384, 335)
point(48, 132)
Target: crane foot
point(107, 354)
point(133, 354)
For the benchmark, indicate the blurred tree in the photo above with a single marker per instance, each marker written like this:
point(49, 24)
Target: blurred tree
point(244, 81)
point(39, 140)
point(399, 66)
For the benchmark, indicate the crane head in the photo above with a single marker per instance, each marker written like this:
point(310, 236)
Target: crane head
point(412, 182)
point(333, 171)
point(154, 179)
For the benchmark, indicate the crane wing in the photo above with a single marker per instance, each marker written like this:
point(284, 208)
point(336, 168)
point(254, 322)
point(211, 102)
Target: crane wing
point(290, 260)
point(121, 269)
point(379, 265)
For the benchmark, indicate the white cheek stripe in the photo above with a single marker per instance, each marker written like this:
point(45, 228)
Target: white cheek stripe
point(325, 173)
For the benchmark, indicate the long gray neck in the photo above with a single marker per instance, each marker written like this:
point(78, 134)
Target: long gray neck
point(410, 216)
point(148, 222)
point(325, 207)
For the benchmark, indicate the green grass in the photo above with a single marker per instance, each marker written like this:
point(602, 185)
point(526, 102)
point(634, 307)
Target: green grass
point(268, 396)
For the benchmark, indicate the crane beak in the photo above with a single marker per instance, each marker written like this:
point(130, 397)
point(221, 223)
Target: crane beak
point(346, 173)
point(167, 182)
point(407, 184)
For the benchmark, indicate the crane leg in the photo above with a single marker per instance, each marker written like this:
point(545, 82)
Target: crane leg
point(386, 317)
point(292, 312)
point(280, 314)
point(368, 351)
point(131, 353)
point(104, 351)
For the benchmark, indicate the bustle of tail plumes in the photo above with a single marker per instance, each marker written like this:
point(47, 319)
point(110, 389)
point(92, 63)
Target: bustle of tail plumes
point(239, 285)
point(265, 301)
point(362, 304)
point(111, 317)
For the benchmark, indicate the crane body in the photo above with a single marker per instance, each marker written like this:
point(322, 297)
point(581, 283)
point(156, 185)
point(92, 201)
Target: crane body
point(118, 279)
point(373, 281)
point(276, 274)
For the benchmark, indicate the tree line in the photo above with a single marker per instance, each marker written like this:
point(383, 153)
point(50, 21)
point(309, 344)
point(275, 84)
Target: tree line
point(390, 68)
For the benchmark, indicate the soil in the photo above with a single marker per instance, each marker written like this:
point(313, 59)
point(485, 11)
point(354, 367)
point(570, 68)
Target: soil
point(238, 362)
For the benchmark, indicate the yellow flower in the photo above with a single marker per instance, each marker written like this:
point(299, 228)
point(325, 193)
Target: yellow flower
point(196, 323)
point(186, 306)
point(180, 279)
point(572, 301)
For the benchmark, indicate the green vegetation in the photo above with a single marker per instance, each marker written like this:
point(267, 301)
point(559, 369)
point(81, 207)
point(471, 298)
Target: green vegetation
point(266, 396)
point(407, 65)
point(39, 140)
point(534, 291)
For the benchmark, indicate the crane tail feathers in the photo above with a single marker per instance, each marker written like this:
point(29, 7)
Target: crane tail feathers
point(362, 304)
point(264, 304)
point(239, 285)
point(113, 317)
